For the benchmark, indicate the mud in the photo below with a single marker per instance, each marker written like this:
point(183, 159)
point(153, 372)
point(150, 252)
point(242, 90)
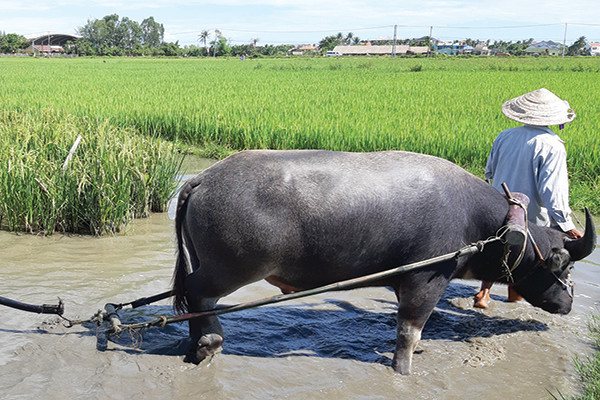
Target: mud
point(331, 346)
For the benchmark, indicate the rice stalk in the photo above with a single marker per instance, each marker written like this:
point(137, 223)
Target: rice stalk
point(114, 176)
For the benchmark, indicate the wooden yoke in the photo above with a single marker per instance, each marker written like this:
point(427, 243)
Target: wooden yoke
point(516, 220)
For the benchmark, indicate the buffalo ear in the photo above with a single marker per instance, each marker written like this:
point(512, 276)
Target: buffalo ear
point(557, 260)
point(583, 247)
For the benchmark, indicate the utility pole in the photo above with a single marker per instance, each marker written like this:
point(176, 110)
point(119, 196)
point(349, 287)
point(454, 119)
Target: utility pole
point(429, 41)
point(564, 41)
point(394, 45)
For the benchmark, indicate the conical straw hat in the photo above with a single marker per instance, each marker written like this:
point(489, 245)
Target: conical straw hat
point(540, 107)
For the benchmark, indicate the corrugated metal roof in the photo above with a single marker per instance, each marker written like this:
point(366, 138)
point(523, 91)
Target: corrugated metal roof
point(379, 50)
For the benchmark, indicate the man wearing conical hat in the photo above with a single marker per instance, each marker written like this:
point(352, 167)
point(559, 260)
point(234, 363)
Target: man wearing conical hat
point(532, 160)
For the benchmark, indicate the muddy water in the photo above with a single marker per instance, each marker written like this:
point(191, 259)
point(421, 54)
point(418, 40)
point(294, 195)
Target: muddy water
point(331, 346)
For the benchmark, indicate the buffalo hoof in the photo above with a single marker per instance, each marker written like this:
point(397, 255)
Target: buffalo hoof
point(207, 345)
point(401, 367)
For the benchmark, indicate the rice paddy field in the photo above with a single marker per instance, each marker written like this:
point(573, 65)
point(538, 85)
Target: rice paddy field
point(73, 174)
point(448, 107)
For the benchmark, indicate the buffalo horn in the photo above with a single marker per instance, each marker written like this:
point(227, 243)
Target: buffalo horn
point(583, 247)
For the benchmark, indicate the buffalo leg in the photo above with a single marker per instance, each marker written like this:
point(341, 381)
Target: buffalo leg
point(407, 339)
point(206, 333)
point(414, 308)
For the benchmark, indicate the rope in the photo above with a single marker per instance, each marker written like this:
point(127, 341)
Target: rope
point(97, 318)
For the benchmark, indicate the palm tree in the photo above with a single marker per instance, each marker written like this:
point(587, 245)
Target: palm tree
point(218, 36)
point(203, 36)
point(349, 38)
point(254, 41)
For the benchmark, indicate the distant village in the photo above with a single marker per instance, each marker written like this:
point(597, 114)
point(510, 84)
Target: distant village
point(332, 46)
point(121, 36)
point(460, 47)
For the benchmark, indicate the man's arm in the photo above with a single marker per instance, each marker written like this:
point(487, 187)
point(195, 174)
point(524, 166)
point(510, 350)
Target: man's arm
point(553, 186)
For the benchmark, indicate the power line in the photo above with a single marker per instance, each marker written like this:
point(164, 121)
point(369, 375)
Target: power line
point(391, 26)
point(584, 24)
point(439, 29)
point(291, 32)
point(496, 27)
point(312, 31)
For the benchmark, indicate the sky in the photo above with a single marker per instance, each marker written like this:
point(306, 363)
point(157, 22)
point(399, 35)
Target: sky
point(308, 21)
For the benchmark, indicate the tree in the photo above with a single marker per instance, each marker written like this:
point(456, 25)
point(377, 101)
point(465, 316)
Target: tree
point(577, 48)
point(213, 43)
point(170, 49)
point(254, 41)
point(516, 49)
point(12, 43)
point(243, 49)
point(129, 33)
point(80, 47)
point(349, 38)
point(329, 42)
point(111, 23)
point(500, 46)
point(114, 36)
point(204, 36)
point(93, 32)
point(152, 32)
point(219, 46)
point(193, 51)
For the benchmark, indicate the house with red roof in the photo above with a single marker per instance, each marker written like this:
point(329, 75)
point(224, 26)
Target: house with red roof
point(593, 48)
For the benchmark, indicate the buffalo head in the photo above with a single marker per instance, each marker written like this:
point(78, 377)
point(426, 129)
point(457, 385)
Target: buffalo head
point(547, 284)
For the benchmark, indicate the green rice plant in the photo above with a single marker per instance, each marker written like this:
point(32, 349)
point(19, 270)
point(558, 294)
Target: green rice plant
point(589, 368)
point(450, 108)
point(114, 175)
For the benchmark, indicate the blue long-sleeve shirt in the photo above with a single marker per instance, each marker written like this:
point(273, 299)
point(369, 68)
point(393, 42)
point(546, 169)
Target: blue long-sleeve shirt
point(533, 160)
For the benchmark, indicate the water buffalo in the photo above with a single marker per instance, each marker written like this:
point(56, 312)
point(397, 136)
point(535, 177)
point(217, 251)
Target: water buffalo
point(303, 219)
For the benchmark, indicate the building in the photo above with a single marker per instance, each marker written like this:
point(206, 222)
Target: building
point(454, 48)
point(544, 48)
point(380, 50)
point(481, 49)
point(593, 48)
point(468, 50)
point(304, 50)
point(52, 43)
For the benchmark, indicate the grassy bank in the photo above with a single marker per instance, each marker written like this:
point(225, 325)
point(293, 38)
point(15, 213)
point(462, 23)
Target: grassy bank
point(114, 175)
point(589, 369)
point(444, 107)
